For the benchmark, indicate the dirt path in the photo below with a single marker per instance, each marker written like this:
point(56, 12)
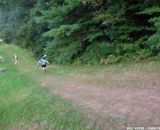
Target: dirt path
point(130, 96)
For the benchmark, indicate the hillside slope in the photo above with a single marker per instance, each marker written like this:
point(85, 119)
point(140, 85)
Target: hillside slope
point(24, 105)
point(109, 97)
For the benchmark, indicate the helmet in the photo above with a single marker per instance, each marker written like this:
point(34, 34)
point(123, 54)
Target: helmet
point(44, 56)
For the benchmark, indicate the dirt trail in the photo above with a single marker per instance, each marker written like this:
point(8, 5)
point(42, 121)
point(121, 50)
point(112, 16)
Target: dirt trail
point(133, 96)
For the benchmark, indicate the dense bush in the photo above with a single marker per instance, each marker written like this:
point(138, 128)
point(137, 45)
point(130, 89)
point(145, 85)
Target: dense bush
point(85, 31)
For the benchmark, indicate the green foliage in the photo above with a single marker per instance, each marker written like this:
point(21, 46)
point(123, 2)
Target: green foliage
point(7, 35)
point(62, 31)
point(111, 59)
point(154, 40)
point(151, 10)
point(63, 54)
point(84, 31)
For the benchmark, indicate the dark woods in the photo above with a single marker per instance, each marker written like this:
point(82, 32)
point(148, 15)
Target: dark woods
point(84, 31)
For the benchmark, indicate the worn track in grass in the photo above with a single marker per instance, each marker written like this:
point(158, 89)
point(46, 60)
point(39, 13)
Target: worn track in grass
point(131, 95)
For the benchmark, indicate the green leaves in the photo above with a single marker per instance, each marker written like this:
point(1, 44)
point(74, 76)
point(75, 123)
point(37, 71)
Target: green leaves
point(151, 10)
point(62, 31)
point(154, 40)
point(84, 31)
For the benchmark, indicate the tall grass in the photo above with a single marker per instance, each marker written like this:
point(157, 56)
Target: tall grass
point(25, 105)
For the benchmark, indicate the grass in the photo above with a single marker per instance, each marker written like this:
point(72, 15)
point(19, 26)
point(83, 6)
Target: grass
point(90, 70)
point(25, 105)
point(109, 75)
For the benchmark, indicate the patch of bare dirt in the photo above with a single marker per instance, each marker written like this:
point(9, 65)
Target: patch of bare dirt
point(130, 95)
point(35, 126)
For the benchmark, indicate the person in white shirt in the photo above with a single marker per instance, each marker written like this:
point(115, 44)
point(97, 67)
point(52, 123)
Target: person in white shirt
point(16, 59)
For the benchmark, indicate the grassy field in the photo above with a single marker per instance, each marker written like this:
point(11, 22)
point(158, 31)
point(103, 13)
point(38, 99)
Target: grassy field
point(26, 105)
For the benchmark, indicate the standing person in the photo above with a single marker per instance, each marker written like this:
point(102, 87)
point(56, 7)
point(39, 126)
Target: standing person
point(43, 62)
point(1, 59)
point(16, 59)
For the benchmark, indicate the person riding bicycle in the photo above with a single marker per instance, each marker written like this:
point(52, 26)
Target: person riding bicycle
point(43, 62)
